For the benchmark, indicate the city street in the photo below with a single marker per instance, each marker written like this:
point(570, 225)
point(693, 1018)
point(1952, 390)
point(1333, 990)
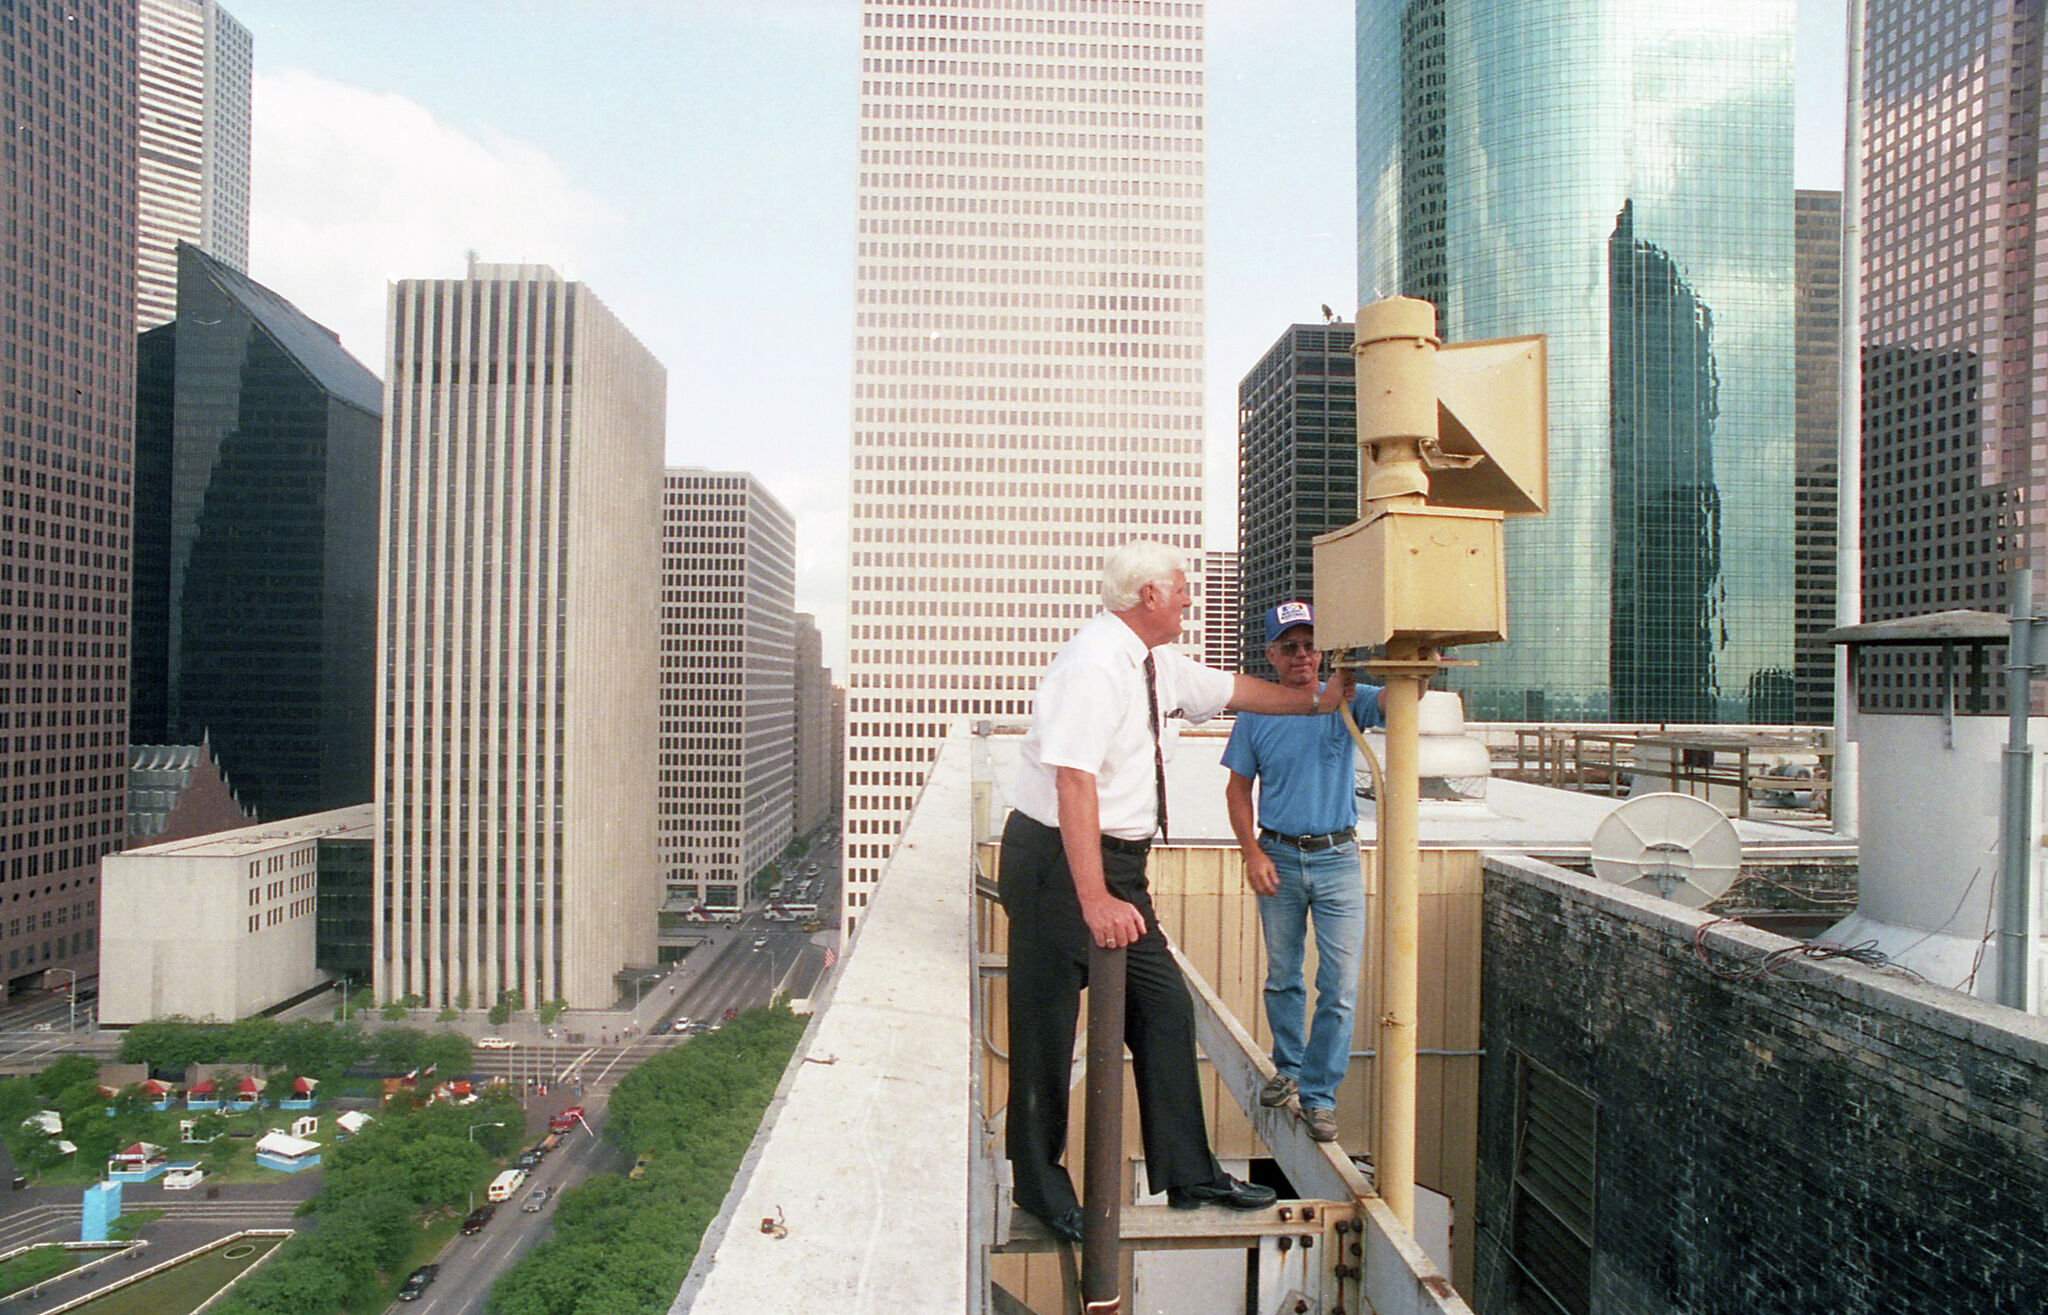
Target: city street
point(739, 967)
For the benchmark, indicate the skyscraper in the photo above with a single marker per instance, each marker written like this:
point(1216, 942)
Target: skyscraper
point(519, 577)
point(1817, 257)
point(1297, 471)
point(817, 767)
point(728, 683)
point(1221, 620)
point(1622, 182)
point(67, 416)
point(1028, 319)
point(192, 180)
point(1953, 316)
point(255, 604)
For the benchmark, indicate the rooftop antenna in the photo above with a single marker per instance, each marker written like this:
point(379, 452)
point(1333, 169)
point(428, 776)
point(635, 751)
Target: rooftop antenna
point(1673, 846)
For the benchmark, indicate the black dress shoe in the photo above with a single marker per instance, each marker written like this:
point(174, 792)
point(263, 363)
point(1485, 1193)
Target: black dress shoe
point(1066, 1225)
point(1226, 1191)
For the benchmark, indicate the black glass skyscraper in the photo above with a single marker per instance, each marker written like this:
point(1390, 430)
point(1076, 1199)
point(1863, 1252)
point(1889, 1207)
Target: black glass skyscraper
point(1297, 469)
point(257, 451)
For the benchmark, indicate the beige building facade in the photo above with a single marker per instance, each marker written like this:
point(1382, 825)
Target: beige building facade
point(218, 926)
point(817, 767)
point(520, 580)
point(194, 65)
point(728, 691)
point(1028, 356)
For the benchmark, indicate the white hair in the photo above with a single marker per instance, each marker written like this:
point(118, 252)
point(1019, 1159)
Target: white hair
point(1138, 563)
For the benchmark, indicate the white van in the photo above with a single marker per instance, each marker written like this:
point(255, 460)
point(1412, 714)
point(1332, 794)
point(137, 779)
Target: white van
point(505, 1184)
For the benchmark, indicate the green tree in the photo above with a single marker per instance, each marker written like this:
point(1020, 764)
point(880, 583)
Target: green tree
point(621, 1248)
point(391, 1011)
point(552, 1010)
point(171, 1044)
point(447, 1014)
point(462, 999)
point(67, 1072)
point(35, 1150)
point(18, 1099)
point(209, 1125)
point(315, 1049)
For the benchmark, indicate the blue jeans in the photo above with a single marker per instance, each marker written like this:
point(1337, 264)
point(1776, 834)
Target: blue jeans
point(1325, 885)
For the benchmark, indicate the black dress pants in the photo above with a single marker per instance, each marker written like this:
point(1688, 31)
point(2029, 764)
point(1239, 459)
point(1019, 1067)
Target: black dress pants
point(1048, 967)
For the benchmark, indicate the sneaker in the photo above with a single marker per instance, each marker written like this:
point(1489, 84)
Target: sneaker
point(1278, 1091)
point(1322, 1124)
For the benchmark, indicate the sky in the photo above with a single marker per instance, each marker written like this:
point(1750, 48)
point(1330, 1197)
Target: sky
point(693, 162)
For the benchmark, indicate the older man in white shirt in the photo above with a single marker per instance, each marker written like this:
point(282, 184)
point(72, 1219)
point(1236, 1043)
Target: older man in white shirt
point(1090, 797)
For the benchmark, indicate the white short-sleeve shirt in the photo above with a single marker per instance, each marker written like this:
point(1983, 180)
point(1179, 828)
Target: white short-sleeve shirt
point(1090, 713)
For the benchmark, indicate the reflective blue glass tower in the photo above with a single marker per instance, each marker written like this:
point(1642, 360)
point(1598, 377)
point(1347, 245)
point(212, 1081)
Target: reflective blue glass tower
point(1619, 177)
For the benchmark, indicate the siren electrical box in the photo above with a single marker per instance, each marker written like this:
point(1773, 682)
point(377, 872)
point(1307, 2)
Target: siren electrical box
point(1433, 572)
point(1453, 439)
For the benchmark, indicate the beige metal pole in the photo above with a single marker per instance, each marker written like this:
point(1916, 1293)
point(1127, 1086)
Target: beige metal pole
point(1397, 412)
point(1400, 911)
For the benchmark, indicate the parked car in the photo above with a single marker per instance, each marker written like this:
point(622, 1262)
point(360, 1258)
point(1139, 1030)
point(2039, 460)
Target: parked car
point(535, 1199)
point(418, 1282)
point(548, 1143)
point(680, 1025)
point(494, 1043)
point(528, 1160)
point(474, 1221)
point(699, 1026)
point(760, 942)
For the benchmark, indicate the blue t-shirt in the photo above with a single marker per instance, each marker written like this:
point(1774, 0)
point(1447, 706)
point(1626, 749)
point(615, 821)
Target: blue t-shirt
point(1304, 766)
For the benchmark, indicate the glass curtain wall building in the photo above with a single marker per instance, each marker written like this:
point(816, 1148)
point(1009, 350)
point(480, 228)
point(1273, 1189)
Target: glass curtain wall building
point(1617, 176)
point(258, 439)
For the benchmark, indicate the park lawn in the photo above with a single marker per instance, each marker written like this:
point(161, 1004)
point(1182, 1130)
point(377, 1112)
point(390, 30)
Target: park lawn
point(32, 1267)
point(242, 1168)
point(431, 1242)
point(180, 1289)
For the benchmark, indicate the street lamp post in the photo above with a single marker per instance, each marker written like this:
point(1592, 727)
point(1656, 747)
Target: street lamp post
point(70, 998)
point(472, 1136)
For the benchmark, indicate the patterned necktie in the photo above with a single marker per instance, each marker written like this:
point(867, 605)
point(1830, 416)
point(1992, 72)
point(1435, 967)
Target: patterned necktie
point(1158, 758)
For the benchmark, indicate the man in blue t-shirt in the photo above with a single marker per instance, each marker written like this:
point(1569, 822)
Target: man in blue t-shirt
point(1302, 860)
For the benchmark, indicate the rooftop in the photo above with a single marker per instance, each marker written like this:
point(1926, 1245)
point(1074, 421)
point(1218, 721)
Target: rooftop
point(355, 822)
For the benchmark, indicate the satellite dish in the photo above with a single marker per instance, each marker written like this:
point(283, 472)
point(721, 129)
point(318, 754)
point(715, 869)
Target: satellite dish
point(1669, 845)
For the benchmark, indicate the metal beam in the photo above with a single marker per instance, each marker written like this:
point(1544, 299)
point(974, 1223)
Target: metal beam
point(1318, 1170)
point(1163, 1228)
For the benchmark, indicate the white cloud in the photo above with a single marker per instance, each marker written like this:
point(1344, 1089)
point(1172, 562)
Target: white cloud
point(353, 189)
point(816, 497)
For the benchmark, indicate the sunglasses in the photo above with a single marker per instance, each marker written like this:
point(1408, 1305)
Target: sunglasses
point(1295, 647)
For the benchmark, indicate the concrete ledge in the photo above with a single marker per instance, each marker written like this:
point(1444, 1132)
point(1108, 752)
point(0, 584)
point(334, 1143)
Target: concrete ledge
point(861, 1169)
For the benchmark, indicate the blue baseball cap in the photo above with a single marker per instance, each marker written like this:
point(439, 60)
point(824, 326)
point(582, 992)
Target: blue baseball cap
point(1285, 617)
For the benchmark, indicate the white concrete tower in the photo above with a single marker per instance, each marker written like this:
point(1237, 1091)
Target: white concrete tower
point(193, 63)
point(1027, 390)
point(728, 689)
point(519, 568)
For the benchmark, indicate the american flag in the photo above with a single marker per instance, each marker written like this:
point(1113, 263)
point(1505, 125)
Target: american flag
point(831, 957)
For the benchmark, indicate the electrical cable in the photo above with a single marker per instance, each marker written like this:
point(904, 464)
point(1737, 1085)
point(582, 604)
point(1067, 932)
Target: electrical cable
point(1750, 970)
